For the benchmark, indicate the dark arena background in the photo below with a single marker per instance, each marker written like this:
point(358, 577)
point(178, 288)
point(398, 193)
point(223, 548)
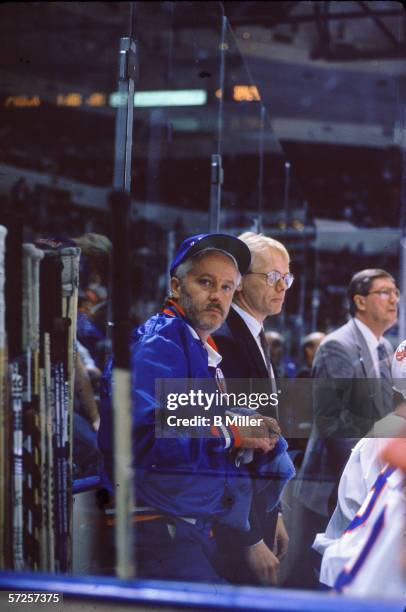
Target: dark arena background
point(126, 127)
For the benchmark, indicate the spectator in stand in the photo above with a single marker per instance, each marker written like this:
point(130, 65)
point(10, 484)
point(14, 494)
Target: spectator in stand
point(310, 344)
point(94, 270)
point(297, 445)
point(283, 366)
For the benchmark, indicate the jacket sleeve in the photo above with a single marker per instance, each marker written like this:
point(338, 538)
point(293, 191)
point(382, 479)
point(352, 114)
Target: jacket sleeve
point(342, 402)
point(227, 537)
point(159, 367)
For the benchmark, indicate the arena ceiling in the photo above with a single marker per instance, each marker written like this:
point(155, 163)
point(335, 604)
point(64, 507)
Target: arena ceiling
point(330, 72)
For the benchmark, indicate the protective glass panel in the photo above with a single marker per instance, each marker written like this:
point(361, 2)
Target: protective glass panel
point(175, 132)
point(331, 79)
point(278, 118)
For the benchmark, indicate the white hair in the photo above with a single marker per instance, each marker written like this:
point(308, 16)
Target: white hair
point(312, 338)
point(258, 243)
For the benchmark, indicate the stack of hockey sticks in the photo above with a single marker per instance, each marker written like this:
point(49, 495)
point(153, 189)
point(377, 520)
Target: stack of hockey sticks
point(4, 545)
point(36, 412)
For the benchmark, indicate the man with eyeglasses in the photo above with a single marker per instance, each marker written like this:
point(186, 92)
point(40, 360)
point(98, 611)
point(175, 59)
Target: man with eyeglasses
point(246, 355)
point(352, 390)
point(193, 475)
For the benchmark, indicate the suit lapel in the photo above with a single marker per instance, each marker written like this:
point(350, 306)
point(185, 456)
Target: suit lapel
point(369, 371)
point(364, 352)
point(248, 345)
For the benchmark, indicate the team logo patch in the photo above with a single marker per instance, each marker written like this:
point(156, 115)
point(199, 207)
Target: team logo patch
point(401, 352)
point(221, 381)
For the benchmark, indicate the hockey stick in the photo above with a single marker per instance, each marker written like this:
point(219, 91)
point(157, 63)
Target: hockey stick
point(3, 402)
point(17, 409)
point(70, 288)
point(31, 426)
point(50, 310)
point(13, 294)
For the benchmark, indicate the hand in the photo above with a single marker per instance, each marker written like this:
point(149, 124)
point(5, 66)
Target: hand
point(263, 563)
point(281, 543)
point(263, 436)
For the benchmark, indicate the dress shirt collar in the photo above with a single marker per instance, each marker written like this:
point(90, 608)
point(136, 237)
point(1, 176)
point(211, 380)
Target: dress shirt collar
point(214, 357)
point(253, 325)
point(369, 336)
point(372, 344)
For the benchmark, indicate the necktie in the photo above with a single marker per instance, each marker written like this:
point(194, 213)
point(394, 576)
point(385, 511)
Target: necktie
point(266, 350)
point(267, 354)
point(386, 378)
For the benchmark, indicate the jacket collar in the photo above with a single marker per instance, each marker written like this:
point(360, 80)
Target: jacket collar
point(173, 309)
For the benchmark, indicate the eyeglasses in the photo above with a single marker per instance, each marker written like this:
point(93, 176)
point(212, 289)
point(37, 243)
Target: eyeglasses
point(385, 294)
point(274, 277)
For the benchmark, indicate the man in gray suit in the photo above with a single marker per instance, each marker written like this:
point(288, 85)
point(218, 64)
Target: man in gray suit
point(352, 390)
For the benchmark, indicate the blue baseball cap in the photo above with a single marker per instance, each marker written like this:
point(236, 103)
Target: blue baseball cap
point(220, 242)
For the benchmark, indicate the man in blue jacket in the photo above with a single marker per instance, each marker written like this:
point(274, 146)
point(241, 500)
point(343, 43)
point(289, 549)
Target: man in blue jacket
point(190, 476)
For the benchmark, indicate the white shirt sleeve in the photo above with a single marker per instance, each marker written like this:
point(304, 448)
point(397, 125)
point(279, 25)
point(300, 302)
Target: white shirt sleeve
point(357, 478)
point(85, 356)
point(373, 569)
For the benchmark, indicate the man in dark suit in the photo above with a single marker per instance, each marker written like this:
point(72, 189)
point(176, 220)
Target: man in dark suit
point(352, 390)
point(241, 342)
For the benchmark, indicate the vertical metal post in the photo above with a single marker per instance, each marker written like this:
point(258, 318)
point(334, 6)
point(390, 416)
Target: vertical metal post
point(286, 194)
point(125, 114)
point(120, 203)
point(301, 322)
point(170, 253)
point(316, 293)
point(216, 174)
point(261, 168)
point(216, 181)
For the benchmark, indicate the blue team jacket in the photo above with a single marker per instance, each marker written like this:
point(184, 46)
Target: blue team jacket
point(191, 473)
